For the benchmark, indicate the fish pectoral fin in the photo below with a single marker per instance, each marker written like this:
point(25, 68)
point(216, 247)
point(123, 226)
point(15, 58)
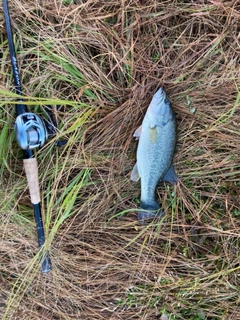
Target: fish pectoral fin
point(152, 134)
point(138, 132)
point(135, 174)
point(171, 176)
point(152, 125)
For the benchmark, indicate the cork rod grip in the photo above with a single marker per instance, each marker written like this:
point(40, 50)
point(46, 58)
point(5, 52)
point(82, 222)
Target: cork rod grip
point(31, 169)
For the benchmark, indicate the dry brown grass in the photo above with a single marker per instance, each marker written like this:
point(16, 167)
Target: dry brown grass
point(109, 57)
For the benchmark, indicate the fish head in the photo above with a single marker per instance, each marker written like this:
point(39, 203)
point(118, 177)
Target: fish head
point(160, 111)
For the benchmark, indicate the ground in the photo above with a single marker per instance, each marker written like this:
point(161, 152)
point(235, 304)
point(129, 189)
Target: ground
point(101, 62)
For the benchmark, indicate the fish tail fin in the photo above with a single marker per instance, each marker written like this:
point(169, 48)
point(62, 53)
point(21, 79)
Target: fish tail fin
point(150, 210)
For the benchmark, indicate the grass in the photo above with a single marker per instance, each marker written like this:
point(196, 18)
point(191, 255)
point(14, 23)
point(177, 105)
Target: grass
point(101, 62)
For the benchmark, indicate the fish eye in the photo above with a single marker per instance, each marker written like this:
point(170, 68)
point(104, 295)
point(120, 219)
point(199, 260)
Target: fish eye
point(166, 101)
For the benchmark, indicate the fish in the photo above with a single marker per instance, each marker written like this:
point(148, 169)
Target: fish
point(156, 147)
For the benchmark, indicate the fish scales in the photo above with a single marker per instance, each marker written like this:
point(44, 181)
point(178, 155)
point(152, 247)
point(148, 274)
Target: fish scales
point(154, 159)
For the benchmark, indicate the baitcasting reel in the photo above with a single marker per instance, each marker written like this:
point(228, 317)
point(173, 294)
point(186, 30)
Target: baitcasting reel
point(30, 131)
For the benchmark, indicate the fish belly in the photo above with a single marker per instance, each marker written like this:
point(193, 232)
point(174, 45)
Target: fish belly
point(154, 157)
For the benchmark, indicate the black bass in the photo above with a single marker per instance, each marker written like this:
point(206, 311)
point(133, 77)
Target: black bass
point(157, 142)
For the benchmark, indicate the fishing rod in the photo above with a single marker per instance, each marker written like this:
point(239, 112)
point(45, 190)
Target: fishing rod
point(31, 132)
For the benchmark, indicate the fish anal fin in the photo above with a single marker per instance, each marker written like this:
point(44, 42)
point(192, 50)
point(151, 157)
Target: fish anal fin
point(171, 176)
point(135, 174)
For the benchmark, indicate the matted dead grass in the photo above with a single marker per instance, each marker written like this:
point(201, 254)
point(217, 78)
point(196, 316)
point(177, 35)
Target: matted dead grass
point(110, 57)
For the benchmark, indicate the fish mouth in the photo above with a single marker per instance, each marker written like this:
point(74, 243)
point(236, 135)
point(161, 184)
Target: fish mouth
point(146, 215)
point(160, 94)
point(160, 91)
point(159, 102)
point(160, 107)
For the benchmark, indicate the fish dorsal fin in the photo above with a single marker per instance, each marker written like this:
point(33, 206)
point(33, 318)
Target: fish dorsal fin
point(171, 176)
point(135, 174)
point(138, 132)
